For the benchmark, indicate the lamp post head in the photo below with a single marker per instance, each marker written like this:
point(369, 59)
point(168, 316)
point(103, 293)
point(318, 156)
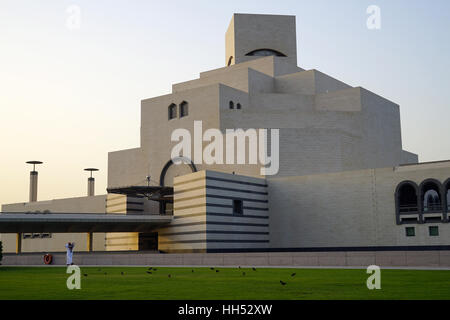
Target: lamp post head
point(34, 163)
point(91, 170)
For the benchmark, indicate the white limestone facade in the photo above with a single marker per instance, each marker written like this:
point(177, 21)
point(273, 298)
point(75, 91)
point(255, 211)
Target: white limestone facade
point(325, 125)
point(344, 179)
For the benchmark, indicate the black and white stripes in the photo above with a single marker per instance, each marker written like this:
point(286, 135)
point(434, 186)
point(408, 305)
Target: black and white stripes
point(204, 218)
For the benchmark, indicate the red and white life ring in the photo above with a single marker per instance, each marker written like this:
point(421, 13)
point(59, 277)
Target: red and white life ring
point(48, 258)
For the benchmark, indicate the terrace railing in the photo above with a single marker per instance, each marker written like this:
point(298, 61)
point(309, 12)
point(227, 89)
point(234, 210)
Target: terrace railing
point(437, 207)
point(408, 209)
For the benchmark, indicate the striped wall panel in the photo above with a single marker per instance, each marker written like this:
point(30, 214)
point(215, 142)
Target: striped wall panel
point(225, 228)
point(204, 217)
point(122, 204)
point(187, 232)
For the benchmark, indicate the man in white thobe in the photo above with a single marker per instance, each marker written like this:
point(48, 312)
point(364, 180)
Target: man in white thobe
point(69, 246)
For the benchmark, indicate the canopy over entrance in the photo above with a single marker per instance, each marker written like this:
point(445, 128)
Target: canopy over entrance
point(156, 193)
point(79, 222)
point(161, 194)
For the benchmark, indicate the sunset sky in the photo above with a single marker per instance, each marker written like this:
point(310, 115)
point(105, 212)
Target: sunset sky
point(70, 95)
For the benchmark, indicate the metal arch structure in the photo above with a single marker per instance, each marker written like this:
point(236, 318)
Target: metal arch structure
point(170, 163)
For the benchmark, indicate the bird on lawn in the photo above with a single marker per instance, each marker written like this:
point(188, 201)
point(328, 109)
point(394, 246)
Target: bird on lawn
point(254, 269)
point(282, 283)
point(148, 272)
point(243, 273)
point(239, 267)
point(212, 268)
point(169, 275)
point(217, 270)
point(122, 273)
point(192, 270)
point(154, 269)
point(85, 275)
point(293, 275)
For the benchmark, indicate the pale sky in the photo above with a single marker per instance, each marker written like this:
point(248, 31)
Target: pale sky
point(67, 97)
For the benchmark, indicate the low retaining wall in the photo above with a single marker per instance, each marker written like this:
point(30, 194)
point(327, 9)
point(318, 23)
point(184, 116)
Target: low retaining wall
point(295, 259)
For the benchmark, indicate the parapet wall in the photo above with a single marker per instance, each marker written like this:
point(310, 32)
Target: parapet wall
point(411, 259)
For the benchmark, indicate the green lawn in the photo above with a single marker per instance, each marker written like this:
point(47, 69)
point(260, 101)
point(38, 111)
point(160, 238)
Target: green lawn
point(228, 283)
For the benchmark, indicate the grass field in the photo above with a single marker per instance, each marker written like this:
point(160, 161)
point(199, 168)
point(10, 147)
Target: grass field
point(228, 283)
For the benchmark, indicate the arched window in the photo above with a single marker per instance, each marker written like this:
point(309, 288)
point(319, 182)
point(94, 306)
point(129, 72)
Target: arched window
point(431, 201)
point(265, 53)
point(406, 196)
point(184, 109)
point(406, 203)
point(238, 106)
point(447, 194)
point(430, 196)
point(231, 104)
point(172, 111)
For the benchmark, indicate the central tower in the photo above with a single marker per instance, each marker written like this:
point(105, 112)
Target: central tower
point(251, 36)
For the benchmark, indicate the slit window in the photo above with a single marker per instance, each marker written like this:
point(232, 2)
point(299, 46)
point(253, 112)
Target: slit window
point(184, 109)
point(229, 61)
point(238, 106)
point(231, 105)
point(238, 207)
point(172, 111)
